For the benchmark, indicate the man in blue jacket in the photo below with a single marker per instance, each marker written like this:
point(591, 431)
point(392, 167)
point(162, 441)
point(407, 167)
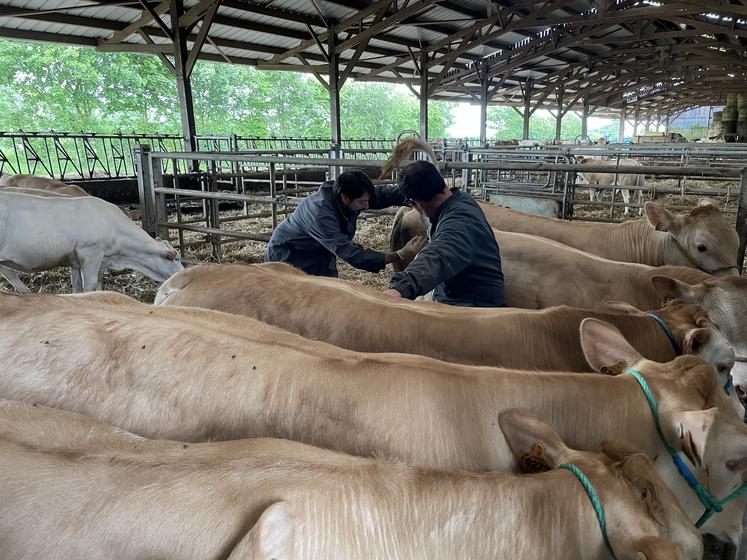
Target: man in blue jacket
point(322, 227)
point(461, 262)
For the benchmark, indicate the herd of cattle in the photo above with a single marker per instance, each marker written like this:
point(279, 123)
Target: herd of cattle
point(593, 419)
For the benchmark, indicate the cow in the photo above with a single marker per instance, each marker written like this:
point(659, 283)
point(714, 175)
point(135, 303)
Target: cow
point(542, 273)
point(127, 363)
point(43, 184)
point(608, 179)
point(373, 322)
point(701, 239)
point(266, 498)
point(87, 234)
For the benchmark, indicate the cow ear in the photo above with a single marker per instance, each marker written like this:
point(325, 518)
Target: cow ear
point(695, 339)
point(622, 307)
point(662, 219)
point(653, 548)
point(605, 347)
point(669, 288)
point(271, 537)
point(695, 432)
point(535, 444)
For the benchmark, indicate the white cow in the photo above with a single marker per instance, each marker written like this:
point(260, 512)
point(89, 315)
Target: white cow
point(87, 234)
point(624, 180)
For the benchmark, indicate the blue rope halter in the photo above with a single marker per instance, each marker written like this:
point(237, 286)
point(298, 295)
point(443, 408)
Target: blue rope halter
point(710, 503)
point(667, 332)
point(676, 347)
point(594, 499)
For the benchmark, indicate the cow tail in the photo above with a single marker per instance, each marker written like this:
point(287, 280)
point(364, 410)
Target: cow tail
point(402, 152)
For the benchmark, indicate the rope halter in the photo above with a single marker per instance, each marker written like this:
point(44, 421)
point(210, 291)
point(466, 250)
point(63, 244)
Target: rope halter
point(711, 504)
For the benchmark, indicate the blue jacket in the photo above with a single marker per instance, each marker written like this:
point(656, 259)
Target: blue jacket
point(461, 262)
point(318, 231)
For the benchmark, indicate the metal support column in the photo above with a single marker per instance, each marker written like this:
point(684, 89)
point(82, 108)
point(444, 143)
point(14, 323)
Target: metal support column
point(424, 95)
point(666, 124)
point(484, 83)
point(334, 98)
point(183, 83)
point(621, 130)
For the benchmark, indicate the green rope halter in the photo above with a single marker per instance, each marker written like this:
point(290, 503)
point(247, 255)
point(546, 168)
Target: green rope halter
point(710, 503)
point(594, 499)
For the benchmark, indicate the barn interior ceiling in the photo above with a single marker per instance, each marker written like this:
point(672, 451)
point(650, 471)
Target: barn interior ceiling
point(659, 56)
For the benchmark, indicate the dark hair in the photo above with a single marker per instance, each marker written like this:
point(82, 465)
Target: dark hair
point(421, 180)
point(353, 184)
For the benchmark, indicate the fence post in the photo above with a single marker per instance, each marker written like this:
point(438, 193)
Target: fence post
point(742, 220)
point(159, 200)
point(145, 188)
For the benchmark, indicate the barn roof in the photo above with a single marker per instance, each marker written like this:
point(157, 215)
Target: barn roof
point(666, 55)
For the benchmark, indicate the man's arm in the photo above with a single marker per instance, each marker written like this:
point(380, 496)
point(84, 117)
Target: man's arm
point(448, 253)
point(385, 196)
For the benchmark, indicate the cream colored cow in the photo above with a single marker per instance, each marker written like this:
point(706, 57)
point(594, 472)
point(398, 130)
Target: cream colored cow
point(127, 363)
point(701, 239)
point(134, 498)
point(372, 322)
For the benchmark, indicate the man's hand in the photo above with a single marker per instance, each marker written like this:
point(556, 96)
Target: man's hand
point(391, 292)
point(407, 253)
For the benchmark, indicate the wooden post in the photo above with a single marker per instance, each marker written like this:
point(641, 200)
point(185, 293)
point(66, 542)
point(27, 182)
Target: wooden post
point(145, 188)
point(183, 83)
point(585, 118)
point(334, 99)
point(621, 130)
point(424, 95)
point(484, 83)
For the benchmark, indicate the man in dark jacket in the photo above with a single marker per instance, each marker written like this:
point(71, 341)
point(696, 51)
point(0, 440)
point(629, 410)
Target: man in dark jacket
point(461, 262)
point(323, 226)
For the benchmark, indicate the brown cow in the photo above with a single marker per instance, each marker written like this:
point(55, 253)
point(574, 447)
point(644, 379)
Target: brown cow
point(135, 498)
point(126, 363)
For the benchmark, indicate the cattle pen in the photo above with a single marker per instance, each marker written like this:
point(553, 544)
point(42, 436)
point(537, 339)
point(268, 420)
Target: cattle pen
point(539, 72)
point(256, 179)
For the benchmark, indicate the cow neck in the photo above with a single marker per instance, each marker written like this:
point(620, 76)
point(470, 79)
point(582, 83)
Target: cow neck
point(711, 504)
point(667, 331)
point(594, 499)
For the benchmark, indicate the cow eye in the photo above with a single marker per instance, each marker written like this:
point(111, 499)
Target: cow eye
point(701, 248)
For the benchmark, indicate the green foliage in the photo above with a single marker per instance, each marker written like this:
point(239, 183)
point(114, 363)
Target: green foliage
point(55, 87)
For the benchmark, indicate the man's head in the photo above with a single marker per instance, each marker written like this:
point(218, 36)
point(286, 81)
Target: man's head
point(421, 181)
point(353, 189)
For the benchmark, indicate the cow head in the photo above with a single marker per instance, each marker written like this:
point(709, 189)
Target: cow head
point(725, 300)
point(644, 519)
point(704, 235)
point(693, 331)
point(696, 419)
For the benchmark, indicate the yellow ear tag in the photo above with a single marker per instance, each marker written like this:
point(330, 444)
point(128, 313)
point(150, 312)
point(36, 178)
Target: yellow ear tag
point(534, 462)
point(615, 369)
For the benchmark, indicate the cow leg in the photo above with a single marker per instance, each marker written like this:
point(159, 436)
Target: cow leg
point(15, 281)
point(626, 198)
point(100, 279)
point(90, 264)
point(76, 280)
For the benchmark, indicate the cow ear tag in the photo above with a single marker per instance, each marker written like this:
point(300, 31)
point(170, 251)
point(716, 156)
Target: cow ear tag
point(534, 461)
point(615, 369)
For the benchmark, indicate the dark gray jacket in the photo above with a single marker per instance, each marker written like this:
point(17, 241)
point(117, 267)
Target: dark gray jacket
point(318, 231)
point(461, 262)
